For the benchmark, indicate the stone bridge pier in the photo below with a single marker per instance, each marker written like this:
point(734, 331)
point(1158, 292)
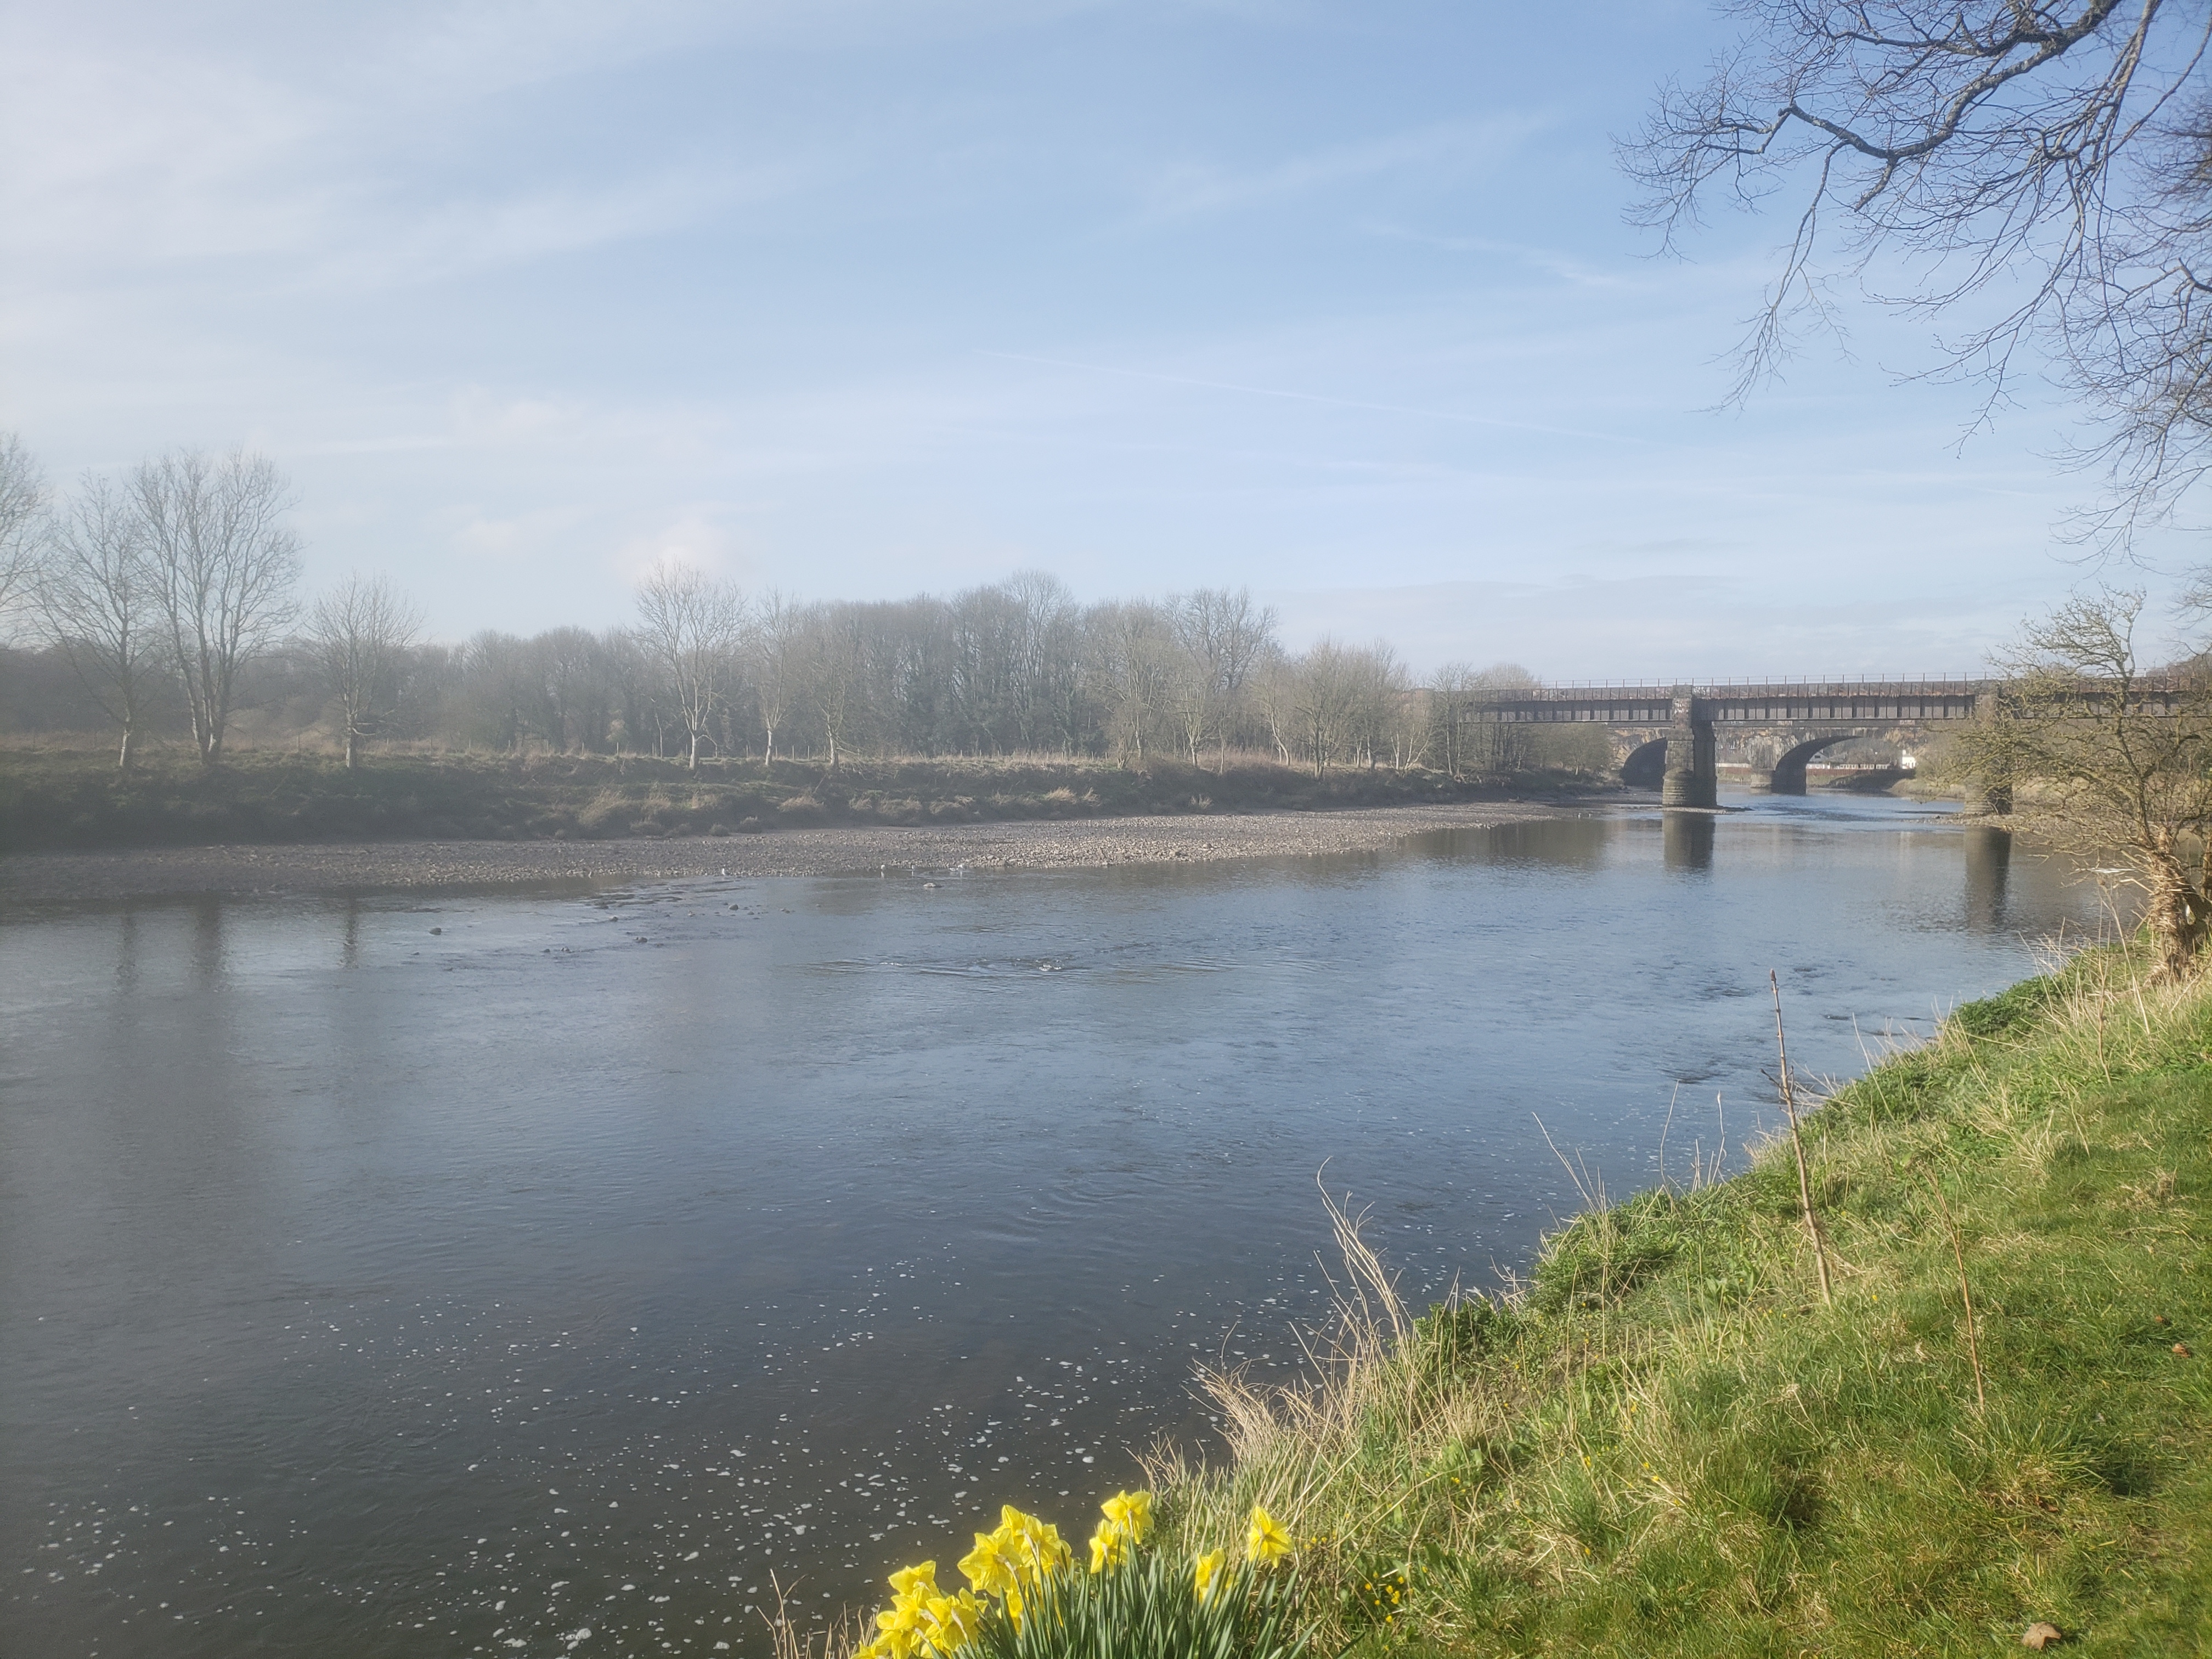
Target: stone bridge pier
point(1673, 739)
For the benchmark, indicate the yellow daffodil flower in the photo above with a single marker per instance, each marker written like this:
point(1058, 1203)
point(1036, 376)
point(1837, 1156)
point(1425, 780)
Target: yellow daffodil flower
point(1265, 1543)
point(1206, 1568)
point(1049, 1551)
point(910, 1583)
point(1131, 1512)
point(1109, 1547)
point(987, 1568)
point(951, 1622)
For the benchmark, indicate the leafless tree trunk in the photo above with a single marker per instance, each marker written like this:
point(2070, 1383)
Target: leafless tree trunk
point(691, 626)
point(1450, 688)
point(775, 638)
point(98, 599)
point(1325, 697)
point(1275, 689)
point(22, 522)
point(836, 663)
point(224, 568)
point(360, 636)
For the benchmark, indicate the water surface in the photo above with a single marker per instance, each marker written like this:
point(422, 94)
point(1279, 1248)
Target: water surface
point(386, 1277)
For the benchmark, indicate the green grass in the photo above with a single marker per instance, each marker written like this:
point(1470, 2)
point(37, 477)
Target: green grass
point(1667, 1444)
point(60, 797)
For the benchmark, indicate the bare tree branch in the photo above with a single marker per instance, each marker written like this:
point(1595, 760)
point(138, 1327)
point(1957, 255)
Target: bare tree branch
point(2056, 157)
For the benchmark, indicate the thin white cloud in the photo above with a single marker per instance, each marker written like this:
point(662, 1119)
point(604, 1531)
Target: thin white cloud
point(1439, 153)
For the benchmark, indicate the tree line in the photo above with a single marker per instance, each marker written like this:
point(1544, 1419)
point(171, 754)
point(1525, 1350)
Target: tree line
point(169, 597)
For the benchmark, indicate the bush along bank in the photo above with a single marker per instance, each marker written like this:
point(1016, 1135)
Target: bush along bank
point(1668, 1442)
point(56, 799)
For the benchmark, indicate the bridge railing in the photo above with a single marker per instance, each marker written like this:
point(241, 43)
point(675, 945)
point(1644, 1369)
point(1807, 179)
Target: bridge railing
point(1580, 691)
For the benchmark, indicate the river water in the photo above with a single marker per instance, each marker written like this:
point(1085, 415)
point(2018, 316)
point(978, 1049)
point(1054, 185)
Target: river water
point(387, 1276)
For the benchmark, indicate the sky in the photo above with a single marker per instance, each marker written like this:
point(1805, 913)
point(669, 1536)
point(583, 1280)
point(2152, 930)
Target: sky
point(855, 298)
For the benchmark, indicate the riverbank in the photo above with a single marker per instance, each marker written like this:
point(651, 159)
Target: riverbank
point(56, 878)
point(1671, 1442)
point(61, 798)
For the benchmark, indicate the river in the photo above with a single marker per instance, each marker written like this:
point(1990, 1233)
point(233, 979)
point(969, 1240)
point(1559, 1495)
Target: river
point(390, 1276)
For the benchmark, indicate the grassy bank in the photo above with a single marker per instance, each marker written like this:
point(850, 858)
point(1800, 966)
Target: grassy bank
point(1668, 1444)
point(67, 798)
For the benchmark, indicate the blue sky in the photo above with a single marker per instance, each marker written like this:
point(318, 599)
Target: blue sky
point(861, 297)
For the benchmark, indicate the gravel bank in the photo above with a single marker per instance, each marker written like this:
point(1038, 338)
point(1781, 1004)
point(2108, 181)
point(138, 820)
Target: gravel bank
point(40, 878)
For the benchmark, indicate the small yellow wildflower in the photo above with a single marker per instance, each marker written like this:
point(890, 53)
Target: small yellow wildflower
point(1265, 1541)
point(1206, 1568)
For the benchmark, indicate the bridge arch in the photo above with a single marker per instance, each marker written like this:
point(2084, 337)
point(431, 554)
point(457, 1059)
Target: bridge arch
point(1644, 767)
point(1789, 776)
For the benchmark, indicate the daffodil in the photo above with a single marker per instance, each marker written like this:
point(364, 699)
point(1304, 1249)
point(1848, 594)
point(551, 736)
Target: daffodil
point(987, 1567)
point(901, 1632)
point(1033, 1547)
point(1265, 1543)
point(1131, 1512)
point(1048, 1548)
point(1109, 1547)
point(911, 1583)
point(951, 1622)
point(1204, 1569)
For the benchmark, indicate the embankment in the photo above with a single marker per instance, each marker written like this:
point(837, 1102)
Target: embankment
point(1669, 1444)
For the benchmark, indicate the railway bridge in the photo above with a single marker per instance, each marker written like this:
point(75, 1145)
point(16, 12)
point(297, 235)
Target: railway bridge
point(1675, 736)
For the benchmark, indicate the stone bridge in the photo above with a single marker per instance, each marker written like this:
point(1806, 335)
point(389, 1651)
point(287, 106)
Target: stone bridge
point(1674, 737)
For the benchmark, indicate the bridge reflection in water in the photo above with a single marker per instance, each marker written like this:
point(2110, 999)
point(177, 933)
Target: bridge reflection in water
point(1989, 868)
point(1688, 839)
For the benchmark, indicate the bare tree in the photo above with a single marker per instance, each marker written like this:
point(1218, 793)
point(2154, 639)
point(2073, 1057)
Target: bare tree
point(690, 627)
point(1218, 636)
point(2119, 760)
point(1496, 749)
point(836, 666)
point(1450, 688)
point(23, 521)
point(1132, 662)
point(1326, 693)
point(2057, 154)
point(224, 568)
point(1274, 687)
point(359, 636)
point(97, 599)
point(774, 643)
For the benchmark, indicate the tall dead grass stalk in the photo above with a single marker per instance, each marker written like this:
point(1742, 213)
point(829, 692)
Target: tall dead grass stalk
point(1798, 1146)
